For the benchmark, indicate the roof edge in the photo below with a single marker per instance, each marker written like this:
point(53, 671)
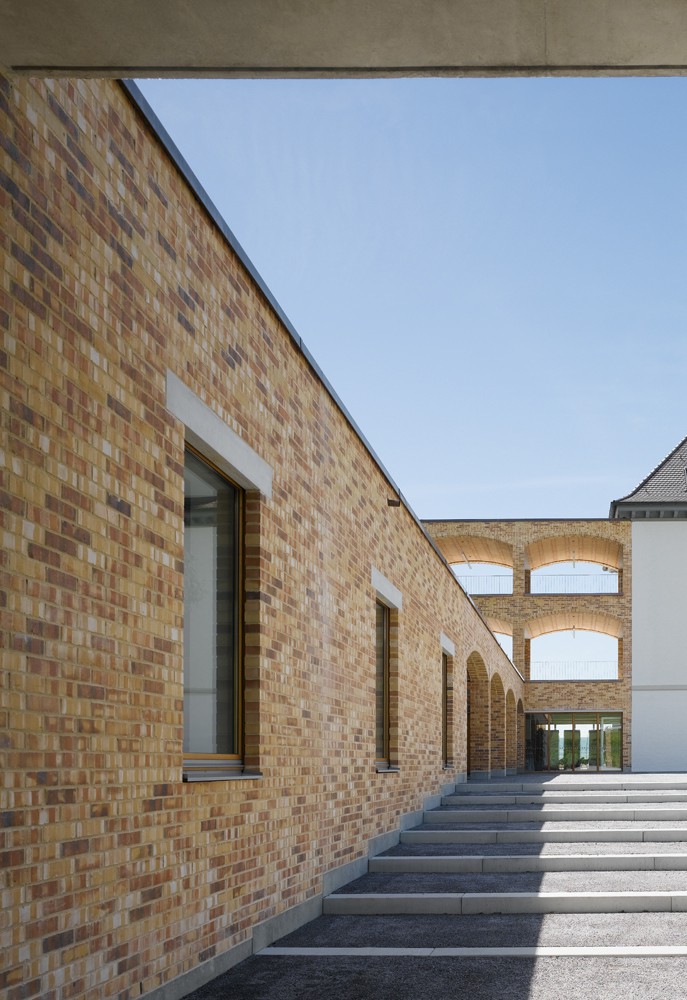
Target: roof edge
point(614, 503)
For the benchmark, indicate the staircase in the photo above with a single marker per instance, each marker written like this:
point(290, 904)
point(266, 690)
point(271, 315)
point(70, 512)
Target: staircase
point(568, 865)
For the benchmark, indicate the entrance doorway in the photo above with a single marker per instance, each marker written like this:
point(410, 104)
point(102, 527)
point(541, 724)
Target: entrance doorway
point(574, 741)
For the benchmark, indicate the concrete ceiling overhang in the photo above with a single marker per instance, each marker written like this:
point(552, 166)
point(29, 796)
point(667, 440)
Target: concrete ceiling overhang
point(244, 38)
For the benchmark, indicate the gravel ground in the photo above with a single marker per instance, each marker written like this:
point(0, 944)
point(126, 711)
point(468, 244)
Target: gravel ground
point(271, 978)
point(651, 881)
point(492, 930)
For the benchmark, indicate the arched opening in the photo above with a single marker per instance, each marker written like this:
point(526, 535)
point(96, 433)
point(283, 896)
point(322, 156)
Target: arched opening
point(570, 646)
point(481, 579)
point(482, 565)
point(574, 565)
point(498, 727)
point(478, 717)
point(503, 633)
point(511, 735)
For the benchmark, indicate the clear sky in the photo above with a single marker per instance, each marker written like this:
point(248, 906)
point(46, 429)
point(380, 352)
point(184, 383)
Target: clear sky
point(492, 273)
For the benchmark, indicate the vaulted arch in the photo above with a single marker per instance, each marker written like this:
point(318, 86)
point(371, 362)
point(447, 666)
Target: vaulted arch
point(478, 717)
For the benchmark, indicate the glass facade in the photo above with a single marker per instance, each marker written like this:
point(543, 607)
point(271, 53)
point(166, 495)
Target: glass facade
point(574, 741)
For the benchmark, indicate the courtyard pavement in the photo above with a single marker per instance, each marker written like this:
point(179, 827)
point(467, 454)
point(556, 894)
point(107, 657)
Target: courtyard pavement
point(416, 965)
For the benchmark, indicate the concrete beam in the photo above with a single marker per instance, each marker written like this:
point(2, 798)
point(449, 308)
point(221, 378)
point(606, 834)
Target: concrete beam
point(244, 38)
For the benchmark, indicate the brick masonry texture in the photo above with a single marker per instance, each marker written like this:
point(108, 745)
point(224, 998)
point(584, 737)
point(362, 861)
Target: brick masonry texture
point(119, 877)
point(523, 613)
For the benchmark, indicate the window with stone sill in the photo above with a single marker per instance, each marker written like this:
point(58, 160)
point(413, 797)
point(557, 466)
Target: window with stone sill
point(213, 681)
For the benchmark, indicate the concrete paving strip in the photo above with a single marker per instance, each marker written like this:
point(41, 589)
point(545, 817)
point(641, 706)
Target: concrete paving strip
point(562, 798)
point(541, 836)
point(559, 784)
point(537, 951)
point(505, 902)
point(530, 863)
point(614, 847)
point(543, 814)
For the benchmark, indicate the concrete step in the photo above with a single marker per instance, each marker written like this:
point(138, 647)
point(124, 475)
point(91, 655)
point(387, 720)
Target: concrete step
point(550, 848)
point(561, 835)
point(567, 798)
point(505, 902)
point(530, 863)
point(504, 951)
point(567, 783)
point(556, 814)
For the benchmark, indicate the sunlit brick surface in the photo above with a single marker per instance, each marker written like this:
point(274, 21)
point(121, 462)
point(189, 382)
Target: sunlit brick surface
point(118, 876)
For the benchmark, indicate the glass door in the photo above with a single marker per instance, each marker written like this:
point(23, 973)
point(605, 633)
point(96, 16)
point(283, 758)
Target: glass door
point(574, 741)
point(587, 728)
point(610, 742)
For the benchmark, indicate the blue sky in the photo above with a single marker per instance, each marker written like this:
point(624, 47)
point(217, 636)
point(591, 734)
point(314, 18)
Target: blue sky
point(490, 272)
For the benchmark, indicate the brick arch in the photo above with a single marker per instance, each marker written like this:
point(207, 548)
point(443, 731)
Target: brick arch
point(568, 548)
point(479, 721)
point(475, 548)
point(497, 715)
point(511, 734)
point(569, 618)
point(501, 625)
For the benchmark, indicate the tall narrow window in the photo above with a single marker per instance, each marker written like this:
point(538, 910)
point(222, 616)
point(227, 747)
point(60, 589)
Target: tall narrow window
point(212, 648)
point(445, 743)
point(382, 684)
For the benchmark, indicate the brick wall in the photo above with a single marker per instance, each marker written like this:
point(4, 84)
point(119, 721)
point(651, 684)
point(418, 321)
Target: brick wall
point(524, 613)
point(120, 877)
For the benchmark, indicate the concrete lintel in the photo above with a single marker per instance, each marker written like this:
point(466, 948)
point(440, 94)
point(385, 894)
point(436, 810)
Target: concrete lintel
point(207, 432)
point(304, 38)
point(386, 591)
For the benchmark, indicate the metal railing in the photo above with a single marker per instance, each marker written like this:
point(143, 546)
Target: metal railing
point(543, 583)
point(487, 584)
point(574, 583)
point(574, 670)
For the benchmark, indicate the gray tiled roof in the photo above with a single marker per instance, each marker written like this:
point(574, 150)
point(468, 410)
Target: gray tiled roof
point(667, 483)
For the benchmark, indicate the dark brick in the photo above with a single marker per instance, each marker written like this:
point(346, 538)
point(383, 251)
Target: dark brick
point(185, 323)
point(157, 191)
point(77, 186)
point(62, 115)
point(121, 158)
point(71, 848)
point(167, 247)
point(57, 941)
point(118, 504)
point(28, 300)
point(14, 191)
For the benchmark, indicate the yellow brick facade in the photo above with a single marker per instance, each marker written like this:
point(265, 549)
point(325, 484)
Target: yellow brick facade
point(521, 544)
point(119, 877)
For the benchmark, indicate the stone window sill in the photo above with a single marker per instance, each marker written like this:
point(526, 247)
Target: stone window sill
point(218, 775)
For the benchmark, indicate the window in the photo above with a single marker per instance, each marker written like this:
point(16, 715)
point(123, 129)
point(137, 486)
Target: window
point(445, 744)
point(382, 684)
point(448, 652)
point(212, 616)
point(389, 602)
